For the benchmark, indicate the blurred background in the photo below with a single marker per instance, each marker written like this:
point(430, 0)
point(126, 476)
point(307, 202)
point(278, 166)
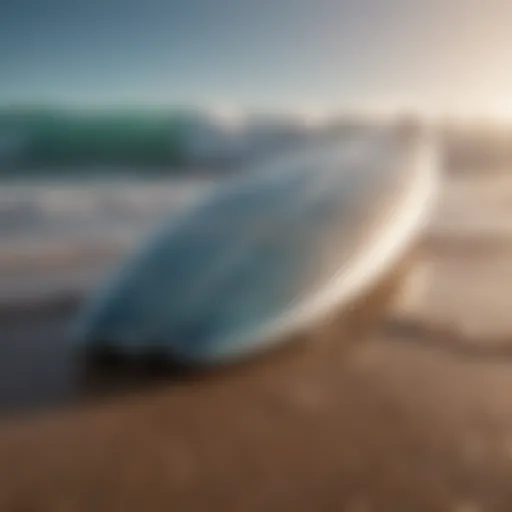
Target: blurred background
point(115, 114)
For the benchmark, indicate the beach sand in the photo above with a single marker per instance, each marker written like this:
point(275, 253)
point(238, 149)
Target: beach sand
point(414, 415)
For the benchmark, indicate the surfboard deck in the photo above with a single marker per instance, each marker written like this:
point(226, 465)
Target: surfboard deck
point(270, 254)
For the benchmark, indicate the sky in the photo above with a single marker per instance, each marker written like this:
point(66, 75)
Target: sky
point(315, 56)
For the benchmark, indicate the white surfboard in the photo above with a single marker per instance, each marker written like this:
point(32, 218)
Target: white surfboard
point(270, 253)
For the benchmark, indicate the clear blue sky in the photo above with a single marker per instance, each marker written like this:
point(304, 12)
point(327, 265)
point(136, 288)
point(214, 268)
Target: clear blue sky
point(266, 54)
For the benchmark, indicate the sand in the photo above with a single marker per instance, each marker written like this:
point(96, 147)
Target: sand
point(405, 417)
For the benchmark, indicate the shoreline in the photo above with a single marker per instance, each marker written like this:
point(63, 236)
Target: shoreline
point(336, 423)
point(390, 423)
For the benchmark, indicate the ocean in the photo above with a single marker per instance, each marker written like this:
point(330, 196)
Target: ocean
point(80, 187)
point(62, 233)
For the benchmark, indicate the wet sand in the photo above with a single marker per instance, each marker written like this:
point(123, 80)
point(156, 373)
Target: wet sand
point(348, 420)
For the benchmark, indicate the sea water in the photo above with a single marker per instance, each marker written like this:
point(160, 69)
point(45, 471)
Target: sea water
point(56, 230)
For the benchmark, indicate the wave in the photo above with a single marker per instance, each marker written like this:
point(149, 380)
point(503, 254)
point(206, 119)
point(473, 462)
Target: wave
point(42, 138)
point(45, 221)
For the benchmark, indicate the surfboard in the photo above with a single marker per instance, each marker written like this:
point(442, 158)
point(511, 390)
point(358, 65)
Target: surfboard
point(269, 253)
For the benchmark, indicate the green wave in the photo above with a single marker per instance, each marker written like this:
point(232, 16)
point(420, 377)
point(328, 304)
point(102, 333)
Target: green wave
point(119, 138)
